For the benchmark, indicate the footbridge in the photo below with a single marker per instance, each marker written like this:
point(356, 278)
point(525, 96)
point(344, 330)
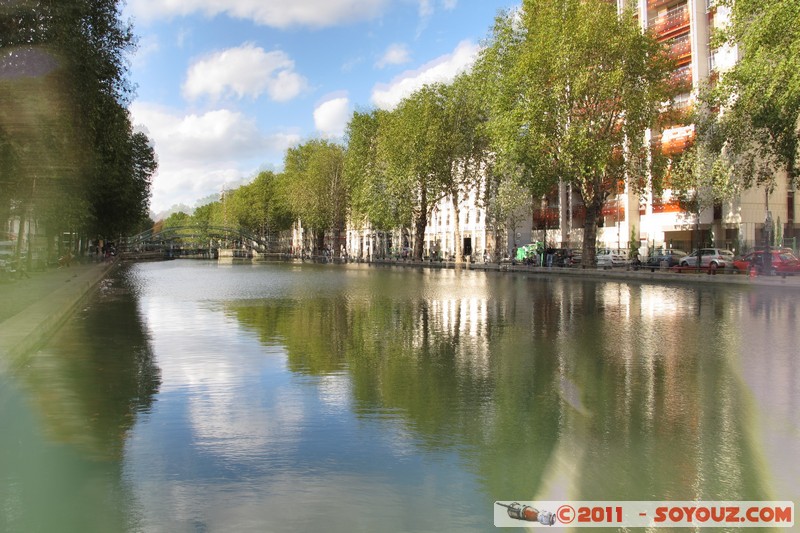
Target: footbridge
point(196, 242)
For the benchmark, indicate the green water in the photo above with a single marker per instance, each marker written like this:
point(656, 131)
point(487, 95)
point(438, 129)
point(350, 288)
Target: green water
point(192, 396)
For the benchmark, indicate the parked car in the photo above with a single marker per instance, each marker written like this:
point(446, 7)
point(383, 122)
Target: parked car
point(671, 257)
point(712, 258)
point(567, 257)
point(607, 258)
point(783, 261)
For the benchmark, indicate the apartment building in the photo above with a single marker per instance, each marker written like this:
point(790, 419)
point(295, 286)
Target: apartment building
point(686, 26)
point(654, 221)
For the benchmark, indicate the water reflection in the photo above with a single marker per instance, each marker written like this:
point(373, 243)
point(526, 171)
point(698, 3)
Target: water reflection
point(552, 388)
point(246, 396)
point(95, 377)
point(66, 417)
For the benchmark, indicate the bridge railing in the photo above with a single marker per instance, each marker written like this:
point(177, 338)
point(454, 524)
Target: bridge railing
point(213, 235)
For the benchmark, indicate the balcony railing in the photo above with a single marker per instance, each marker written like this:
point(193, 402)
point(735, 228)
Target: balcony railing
point(671, 22)
point(613, 209)
point(676, 140)
point(680, 49)
point(681, 78)
point(666, 206)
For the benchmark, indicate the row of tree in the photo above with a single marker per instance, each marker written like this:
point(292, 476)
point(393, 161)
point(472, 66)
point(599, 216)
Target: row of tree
point(70, 159)
point(562, 93)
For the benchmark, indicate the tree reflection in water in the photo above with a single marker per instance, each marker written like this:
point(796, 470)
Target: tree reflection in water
point(552, 389)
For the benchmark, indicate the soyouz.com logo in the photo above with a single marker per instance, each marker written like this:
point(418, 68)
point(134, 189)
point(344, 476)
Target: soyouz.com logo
point(644, 514)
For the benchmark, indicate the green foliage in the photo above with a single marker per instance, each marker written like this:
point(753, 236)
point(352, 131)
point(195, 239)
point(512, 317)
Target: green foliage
point(68, 152)
point(177, 219)
point(575, 86)
point(633, 243)
point(313, 187)
point(412, 147)
point(700, 179)
point(760, 95)
point(365, 173)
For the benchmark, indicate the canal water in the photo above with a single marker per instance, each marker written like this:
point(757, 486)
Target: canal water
point(194, 396)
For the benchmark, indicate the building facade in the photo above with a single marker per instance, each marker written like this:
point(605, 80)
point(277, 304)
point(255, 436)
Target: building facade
point(644, 221)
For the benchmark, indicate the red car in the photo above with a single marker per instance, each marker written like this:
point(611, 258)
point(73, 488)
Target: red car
point(783, 261)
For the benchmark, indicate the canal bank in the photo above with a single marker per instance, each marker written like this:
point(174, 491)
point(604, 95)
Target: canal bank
point(642, 275)
point(34, 307)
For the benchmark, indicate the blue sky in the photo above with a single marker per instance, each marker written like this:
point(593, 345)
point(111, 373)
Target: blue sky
point(224, 87)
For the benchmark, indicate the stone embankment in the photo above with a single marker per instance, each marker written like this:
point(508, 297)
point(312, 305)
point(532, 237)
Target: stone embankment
point(34, 307)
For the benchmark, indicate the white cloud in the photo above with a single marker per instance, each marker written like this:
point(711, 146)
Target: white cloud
point(331, 116)
point(442, 69)
point(247, 70)
point(274, 13)
point(425, 8)
point(198, 153)
point(396, 54)
point(449, 4)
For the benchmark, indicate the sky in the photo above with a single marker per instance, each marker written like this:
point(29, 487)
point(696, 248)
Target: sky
point(225, 87)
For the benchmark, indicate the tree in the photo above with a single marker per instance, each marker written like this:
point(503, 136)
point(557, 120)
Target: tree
point(314, 188)
point(466, 143)
point(81, 168)
point(756, 132)
point(575, 86)
point(417, 165)
point(257, 207)
point(365, 172)
point(507, 204)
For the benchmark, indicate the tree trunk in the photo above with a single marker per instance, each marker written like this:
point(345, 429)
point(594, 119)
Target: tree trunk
point(499, 246)
point(337, 241)
point(419, 234)
point(459, 251)
point(319, 238)
point(420, 224)
point(593, 213)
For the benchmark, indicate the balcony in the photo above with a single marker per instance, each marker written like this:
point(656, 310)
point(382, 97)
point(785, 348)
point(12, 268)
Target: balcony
point(680, 49)
point(681, 78)
point(666, 206)
point(614, 209)
point(547, 217)
point(672, 22)
point(655, 4)
point(676, 140)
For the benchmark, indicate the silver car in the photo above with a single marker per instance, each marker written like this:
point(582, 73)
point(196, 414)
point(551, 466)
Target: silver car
point(712, 258)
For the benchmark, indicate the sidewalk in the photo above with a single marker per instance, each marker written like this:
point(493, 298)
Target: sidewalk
point(31, 309)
